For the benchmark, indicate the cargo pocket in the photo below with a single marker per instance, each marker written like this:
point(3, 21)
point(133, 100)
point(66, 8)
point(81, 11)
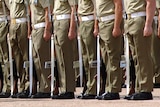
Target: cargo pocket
point(56, 40)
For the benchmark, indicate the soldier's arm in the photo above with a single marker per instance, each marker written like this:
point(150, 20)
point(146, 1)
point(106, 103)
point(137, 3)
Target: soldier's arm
point(159, 23)
point(47, 6)
point(29, 21)
point(96, 28)
point(47, 31)
point(118, 18)
point(28, 14)
point(158, 8)
point(150, 11)
point(72, 30)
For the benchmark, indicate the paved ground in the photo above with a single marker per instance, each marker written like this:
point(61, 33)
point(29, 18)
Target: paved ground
point(9, 102)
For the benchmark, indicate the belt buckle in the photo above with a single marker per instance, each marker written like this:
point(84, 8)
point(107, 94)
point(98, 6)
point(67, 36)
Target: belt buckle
point(128, 16)
point(54, 17)
point(99, 19)
point(13, 21)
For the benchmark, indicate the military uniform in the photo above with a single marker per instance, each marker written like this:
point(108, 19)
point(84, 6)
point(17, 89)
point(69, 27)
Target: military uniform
point(41, 48)
point(4, 11)
point(88, 44)
point(140, 46)
point(19, 42)
point(111, 47)
point(63, 48)
point(3, 44)
point(156, 46)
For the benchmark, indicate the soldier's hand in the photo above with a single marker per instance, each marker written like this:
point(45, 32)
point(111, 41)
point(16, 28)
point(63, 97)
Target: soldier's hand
point(47, 35)
point(29, 36)
point(29, 32)
point(72, 35)
point(116, 32)
point(95, 32)
point(158, 31)
point(147, 31)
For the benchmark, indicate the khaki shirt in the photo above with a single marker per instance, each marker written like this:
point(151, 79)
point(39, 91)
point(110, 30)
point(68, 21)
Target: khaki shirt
point(157, 3)
point(104, 7)
point(85, 7)
point(157, 7)
point(133, 6)
point(38, 10)
point(5, 8)
point(17, 9)
point(63, 6)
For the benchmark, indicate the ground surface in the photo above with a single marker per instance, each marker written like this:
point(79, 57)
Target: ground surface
point(9, 102)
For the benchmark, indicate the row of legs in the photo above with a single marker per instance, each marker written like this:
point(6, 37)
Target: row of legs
point(56, 91)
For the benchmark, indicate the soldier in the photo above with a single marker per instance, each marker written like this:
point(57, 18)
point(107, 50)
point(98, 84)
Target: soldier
point(158, 8)
point(139, 35)
point(156, 45)
point(64, 28)
point(4, 49)
point(19, 44)
point(109, 15)
point(4, 29)
point(41, 33)
point(88, 44)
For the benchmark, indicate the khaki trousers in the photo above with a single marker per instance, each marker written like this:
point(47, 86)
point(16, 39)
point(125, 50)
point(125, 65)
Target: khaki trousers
point(111, 49)
point(19, 45)
point(88, 44)
point(41, 54)
point(64, 56)
point(155, 50)
point(4, 55)
point(141, 51)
